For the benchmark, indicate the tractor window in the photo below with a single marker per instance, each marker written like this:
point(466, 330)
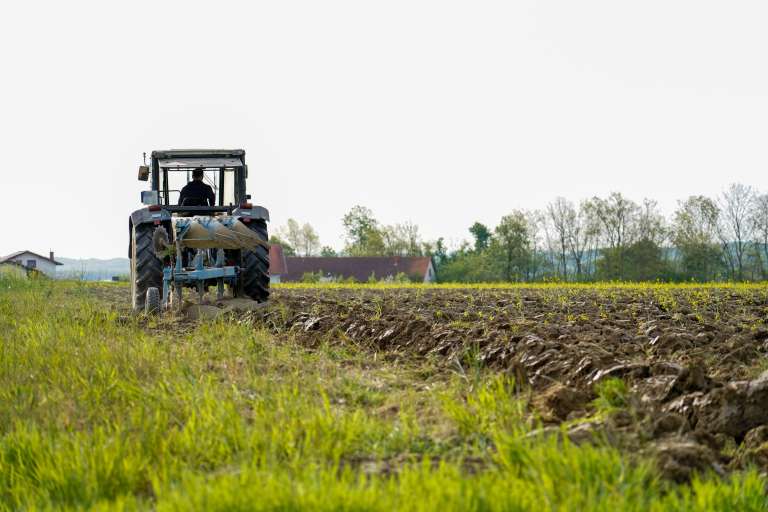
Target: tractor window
point(221, 181)
point(176, 181)
point(228, 188)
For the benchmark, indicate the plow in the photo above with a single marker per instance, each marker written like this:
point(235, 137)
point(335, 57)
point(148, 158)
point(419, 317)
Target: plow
point(195, 242)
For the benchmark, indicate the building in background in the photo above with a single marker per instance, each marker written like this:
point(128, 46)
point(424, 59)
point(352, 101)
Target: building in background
point(361, 268)
point(277, 264)
point(33, 262)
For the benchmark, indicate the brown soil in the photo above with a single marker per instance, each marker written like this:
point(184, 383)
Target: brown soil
point(574, 337)
point(692, 358)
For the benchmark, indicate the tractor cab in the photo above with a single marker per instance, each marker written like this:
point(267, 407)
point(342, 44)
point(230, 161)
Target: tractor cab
point(168, 172)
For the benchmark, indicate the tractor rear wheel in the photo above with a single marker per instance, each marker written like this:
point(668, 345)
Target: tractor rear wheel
point(146, 267)
point(254, 268)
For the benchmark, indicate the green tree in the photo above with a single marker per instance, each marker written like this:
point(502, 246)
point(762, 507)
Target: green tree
point(438, 252)
point(482, 236)
point(641, 261)
point(467, 266)
point(363, 235)
point(328, 252)
point(510, 246)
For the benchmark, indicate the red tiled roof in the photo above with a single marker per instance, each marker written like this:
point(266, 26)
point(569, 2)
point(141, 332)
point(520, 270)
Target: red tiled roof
point(277, 264)
point(360, 268)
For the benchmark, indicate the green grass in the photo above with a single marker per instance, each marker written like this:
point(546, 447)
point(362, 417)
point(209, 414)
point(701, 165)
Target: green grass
point(611, 395)
point(100, 411)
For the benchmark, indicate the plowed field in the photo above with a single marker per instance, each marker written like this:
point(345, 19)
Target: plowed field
point(691, 358)
point(603, 397)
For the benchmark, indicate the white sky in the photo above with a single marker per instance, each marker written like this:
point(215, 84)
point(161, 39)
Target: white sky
point(440, 112)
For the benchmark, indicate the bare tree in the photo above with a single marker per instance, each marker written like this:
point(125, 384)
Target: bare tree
point(310, 242)
point(291, 233)
point(303, 239)
point(402, 240)
point(759, 220)
point(535, 221)
point(558, 212)
point(579, 233)
point(735, 228)
point(696, 221)
point(651, 224)
point(594, 235)
point(695, 236)
point(410, 233)
point(618, 217)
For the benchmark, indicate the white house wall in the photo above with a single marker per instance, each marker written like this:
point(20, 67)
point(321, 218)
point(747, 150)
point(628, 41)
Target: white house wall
point(43, 265)
point(430, 277)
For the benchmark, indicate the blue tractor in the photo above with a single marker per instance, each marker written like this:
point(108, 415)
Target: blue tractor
point(178, 242)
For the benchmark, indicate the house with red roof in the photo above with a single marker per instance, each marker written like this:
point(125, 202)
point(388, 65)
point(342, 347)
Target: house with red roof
point(277, 265)
point(360, 268)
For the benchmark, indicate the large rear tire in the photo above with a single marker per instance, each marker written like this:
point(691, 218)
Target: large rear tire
point(146, 267)
point(254, 271)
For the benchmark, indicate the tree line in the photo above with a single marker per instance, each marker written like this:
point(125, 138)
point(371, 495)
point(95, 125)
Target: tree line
point(601, 238)
point(364, 236)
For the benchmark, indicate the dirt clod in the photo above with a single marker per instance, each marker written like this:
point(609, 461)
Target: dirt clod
point(678, 459)
point(669, 422)
point(560, 401)
point(756, 436)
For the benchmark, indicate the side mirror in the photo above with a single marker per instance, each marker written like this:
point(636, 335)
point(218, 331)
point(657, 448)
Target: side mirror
point(143, 173)
point(150, 197)
point(247, 196)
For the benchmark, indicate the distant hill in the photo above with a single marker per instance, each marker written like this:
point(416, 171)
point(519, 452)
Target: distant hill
point(92, 269)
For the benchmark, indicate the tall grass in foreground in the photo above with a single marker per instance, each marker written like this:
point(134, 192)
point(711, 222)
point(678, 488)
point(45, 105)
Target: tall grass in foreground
point(100, 412)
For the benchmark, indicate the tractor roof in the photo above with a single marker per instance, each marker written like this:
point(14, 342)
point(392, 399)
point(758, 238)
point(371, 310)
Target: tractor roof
point(198, 153)
point(193, 158)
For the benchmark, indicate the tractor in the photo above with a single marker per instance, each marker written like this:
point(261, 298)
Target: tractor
point(196, 244)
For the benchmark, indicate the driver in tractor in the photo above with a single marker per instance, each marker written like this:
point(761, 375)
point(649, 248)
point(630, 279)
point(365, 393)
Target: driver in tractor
point(197, 193)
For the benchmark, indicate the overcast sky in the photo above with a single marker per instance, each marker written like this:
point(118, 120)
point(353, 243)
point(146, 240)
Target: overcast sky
point(441, 113)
